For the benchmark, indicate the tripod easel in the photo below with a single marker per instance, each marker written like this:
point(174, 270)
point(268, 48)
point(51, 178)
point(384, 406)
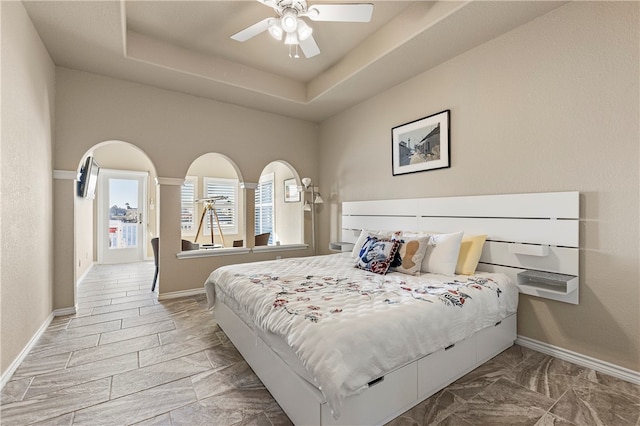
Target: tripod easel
point(210, 207)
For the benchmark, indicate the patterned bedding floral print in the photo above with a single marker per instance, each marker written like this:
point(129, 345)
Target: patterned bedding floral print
point(313, 297)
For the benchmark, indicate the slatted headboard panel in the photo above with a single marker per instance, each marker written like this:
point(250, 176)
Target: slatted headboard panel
point(538, 231)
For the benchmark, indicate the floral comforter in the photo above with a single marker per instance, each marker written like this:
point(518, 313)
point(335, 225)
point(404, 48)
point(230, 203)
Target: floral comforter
point(349, 326)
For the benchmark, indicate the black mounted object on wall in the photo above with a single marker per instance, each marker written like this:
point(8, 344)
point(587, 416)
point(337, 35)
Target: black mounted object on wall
point(88, 178)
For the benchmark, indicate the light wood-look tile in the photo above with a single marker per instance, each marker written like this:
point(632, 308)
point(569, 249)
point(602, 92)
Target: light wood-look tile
point(60, 379)
point(111, 350)
point(138, 331)
point(138, 406)
point(35, 365)
point(55, 404)
point(98, 318)
point(158, 374)
point(52, 348)
point(15, 389)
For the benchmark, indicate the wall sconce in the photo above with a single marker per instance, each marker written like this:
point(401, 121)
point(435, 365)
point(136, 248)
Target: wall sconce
point(309, 206)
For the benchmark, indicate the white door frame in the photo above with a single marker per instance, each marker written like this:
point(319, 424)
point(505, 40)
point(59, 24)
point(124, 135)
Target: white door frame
point(133, 255)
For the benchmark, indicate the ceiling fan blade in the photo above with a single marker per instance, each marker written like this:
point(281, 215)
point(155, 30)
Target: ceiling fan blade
point(309, 47)
point(271, 3)
point(253, 30)
point(340, 12)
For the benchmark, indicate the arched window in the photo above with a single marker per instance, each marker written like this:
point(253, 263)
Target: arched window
point(278, 204)
point(264, 207)
point(211, 208)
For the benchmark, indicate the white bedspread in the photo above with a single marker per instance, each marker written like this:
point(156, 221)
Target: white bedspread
point(349, 326)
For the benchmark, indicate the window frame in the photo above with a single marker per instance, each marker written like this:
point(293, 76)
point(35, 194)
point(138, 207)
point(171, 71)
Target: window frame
point(233, 184)
point(193, 206)
point(259, 206)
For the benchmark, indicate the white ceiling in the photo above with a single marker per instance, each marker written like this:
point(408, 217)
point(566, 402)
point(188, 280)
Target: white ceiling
point(185, 46)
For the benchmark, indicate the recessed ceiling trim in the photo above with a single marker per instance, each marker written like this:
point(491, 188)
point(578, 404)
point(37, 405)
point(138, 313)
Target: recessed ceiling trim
point(412, 22)
point(151, 51)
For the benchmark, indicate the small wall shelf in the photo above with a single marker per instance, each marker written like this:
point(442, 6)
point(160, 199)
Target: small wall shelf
point(550, 285)
point(341, 246)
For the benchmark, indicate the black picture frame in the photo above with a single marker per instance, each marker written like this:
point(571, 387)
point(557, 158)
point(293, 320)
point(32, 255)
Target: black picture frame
point(421, 145)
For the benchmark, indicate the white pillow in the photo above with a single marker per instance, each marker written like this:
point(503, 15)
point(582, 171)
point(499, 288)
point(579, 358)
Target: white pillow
point(442, 254)
point(381, 234)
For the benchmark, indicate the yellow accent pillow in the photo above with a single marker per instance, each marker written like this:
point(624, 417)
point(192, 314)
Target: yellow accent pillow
point(470, 252)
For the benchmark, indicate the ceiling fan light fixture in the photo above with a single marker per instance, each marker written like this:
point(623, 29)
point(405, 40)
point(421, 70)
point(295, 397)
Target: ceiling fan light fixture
point(291, 38)
point(289, 21)
point(304, 30)
point(275, 30)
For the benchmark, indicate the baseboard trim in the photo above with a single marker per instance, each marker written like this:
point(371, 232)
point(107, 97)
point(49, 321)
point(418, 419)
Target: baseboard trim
point(183, 293)
point(65, 311)
point(83, 276)
point(580, 359)
point(6, 376)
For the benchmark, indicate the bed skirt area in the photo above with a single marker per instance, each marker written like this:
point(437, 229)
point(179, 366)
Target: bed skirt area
point(386, 397)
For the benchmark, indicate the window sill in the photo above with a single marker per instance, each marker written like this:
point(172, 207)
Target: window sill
point(228, 251)
point(282, 247)
point(212, 252)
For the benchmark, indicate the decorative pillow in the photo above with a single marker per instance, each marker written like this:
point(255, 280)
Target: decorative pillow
point(442, 254)
point(371, 233)
point(410, 254)
point(470, 252)
point(376, 255)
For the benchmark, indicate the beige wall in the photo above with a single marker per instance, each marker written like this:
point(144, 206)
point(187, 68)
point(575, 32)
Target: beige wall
point(26, 245)
point(550, 106)
point(173, 130)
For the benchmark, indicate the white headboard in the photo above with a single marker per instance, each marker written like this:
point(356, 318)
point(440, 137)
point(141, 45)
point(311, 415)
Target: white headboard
point(525, 232)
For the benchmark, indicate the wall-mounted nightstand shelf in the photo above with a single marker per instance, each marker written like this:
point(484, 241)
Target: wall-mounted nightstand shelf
point(341, 246)
point(548, 284)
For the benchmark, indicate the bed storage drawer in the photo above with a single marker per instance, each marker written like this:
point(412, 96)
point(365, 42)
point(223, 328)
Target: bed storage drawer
point(395, 393)
point(282, 382)
point(440, 368)
point(496, 338)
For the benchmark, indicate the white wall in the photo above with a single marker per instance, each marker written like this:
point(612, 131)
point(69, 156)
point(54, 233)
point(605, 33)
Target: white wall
point(550, 106)
point(26, 237)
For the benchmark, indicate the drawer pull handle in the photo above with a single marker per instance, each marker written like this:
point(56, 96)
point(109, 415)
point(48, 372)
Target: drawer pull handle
point(449, 347)
point(376, 381)
point(498, 323)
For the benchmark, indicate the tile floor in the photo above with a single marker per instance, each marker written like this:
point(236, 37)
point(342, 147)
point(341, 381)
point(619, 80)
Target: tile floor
point(125, 358)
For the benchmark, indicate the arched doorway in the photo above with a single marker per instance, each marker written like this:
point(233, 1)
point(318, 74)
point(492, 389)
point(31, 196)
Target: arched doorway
point(102, 224)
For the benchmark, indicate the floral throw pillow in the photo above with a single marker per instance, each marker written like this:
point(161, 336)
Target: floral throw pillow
point(376, 255)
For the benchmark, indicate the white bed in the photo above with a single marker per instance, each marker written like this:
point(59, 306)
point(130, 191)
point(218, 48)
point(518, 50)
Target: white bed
point(307, 339)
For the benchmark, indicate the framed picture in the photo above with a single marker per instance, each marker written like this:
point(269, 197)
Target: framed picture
point(421, 145)
point(291, 193)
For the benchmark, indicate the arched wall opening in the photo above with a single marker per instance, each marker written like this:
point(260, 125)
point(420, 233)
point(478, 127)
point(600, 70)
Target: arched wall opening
point(278, 202)
point(117, 156)
point(212, 203)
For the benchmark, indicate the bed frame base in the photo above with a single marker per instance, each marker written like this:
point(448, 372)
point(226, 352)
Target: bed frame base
point(387, 397)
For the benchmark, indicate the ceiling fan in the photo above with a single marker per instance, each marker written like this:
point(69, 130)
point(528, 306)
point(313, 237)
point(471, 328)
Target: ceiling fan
point(296, 31)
